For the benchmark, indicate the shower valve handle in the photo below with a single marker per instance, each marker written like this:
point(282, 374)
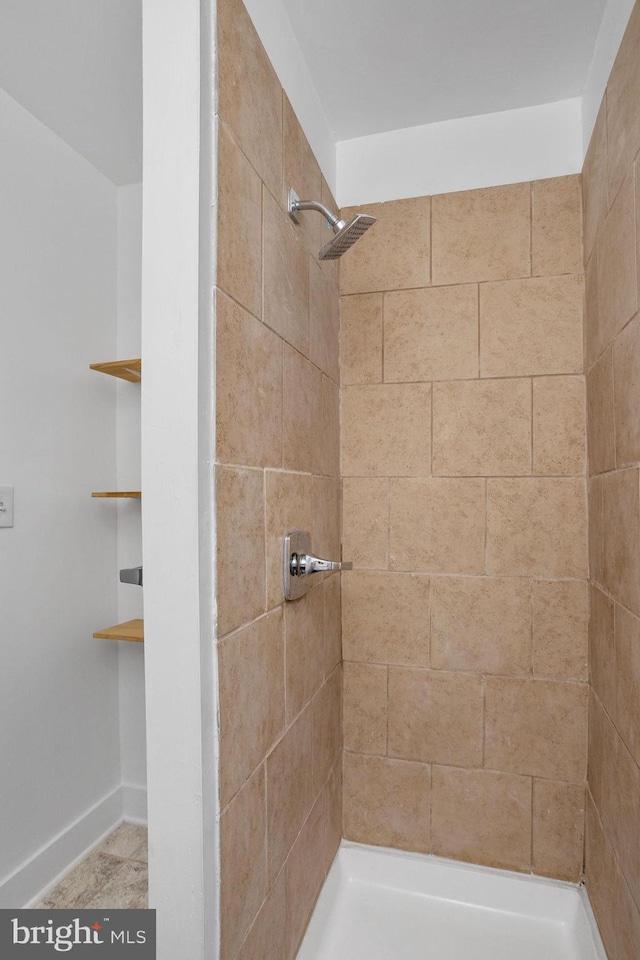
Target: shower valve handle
point(298, 563)
point(304, 564)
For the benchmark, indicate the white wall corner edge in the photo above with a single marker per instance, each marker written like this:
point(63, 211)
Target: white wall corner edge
point(513, 146)
point(31, 882)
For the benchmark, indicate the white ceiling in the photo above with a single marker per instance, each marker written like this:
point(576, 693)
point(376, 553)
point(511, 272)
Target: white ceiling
point(377, 65)
point(382, 65)
point(76, 65)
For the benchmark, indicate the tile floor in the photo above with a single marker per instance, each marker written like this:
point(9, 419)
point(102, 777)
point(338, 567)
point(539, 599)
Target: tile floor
point(114, 875)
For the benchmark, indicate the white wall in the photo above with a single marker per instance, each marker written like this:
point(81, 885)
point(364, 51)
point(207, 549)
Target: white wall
point(133, 757)
point(59, 736)
point(509, 147)
point(516, 145)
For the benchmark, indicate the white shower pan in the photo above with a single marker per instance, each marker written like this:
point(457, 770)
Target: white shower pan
point(381, 904)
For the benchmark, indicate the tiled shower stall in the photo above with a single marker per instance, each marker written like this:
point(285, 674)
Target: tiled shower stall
point(421, 411)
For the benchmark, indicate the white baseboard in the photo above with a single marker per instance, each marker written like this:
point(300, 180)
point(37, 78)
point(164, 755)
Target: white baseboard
point(134, 803)
point(31, 882)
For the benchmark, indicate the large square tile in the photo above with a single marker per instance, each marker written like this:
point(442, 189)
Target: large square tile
point(385, 617)
point(248, 388)
point(431, 334)
point(386, 802)
point(361, 338)
point(394, 253)
point(481, 235)
point(251, 672)
point(482, 428)
point(537, 527)
point(531, 327)
point(482, 624)
point(438, 525)
point(464, 820)
point(537, 728)
point(386, 430)
point(435, 717)
point(240, 547)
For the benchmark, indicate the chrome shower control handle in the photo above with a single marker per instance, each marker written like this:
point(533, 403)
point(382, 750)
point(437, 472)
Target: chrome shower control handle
point(298, 563)
point(302, 565)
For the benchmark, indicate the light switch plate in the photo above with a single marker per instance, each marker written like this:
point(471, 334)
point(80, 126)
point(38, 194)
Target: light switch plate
point(6, 506)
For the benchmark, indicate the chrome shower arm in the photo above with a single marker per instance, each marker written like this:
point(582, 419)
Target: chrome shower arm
point(295, 204)
point(345, 233)
point(335, 221)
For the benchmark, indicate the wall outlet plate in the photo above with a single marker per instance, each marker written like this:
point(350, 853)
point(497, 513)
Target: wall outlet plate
point(6, 506)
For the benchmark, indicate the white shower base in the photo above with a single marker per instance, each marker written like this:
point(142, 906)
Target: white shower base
point(384, 905)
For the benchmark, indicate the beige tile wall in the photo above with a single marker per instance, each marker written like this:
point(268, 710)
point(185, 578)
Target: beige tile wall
point(612, 248)
point(464, 510)
point(277, 464)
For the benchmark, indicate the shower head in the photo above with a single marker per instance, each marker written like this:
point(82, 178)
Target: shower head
point(346, 232)
point(346, 236)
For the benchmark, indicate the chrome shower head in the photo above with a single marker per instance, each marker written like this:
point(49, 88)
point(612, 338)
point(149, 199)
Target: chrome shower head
point(346, 236)
point(346, 233)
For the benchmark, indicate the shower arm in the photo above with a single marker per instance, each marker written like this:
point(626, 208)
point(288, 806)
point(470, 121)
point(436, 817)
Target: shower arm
point(295, 204)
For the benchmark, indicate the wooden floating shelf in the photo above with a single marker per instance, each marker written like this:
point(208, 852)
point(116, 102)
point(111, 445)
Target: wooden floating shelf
point(114, 494)
point(131, 630)
point(130, 370)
